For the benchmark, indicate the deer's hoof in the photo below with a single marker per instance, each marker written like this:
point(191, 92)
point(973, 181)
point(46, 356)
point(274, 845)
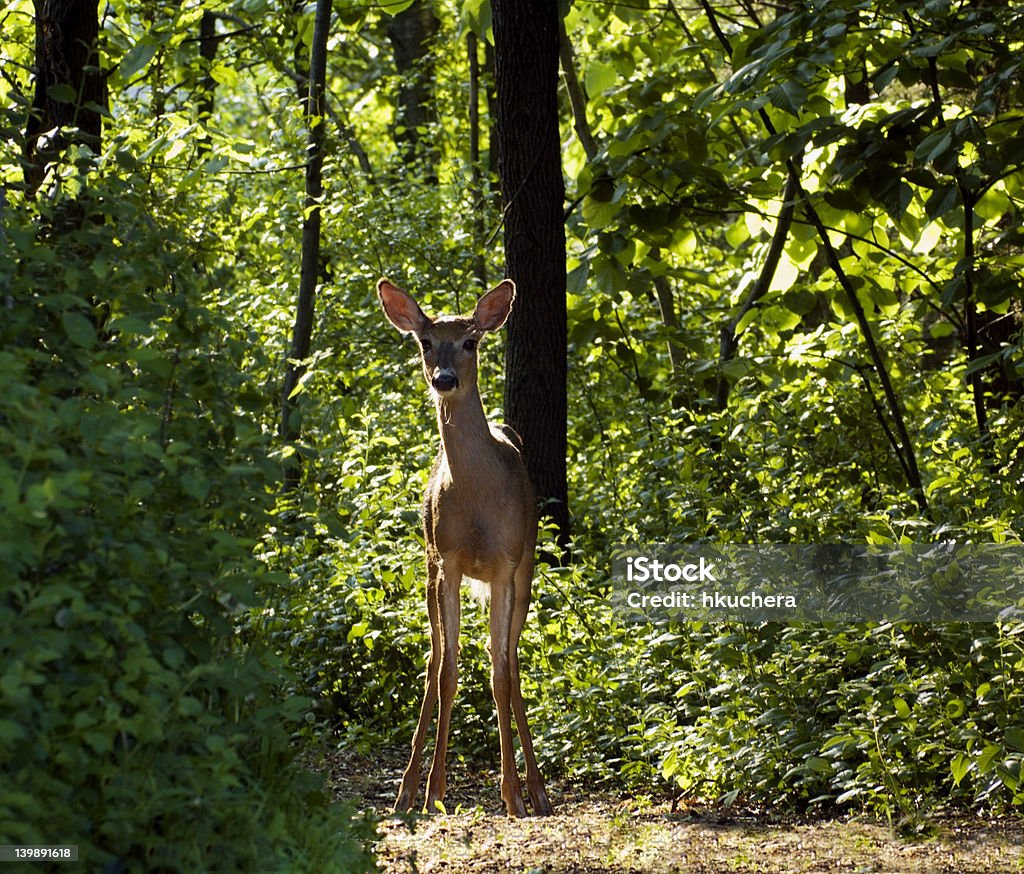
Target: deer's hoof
point(405, 801)
point(541, 806)
point(515, 807)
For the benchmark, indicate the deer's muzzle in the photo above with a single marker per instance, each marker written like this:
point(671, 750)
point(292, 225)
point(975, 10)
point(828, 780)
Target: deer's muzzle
point(445, 380)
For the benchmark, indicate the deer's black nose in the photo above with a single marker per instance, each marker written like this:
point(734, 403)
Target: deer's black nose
point(445, 381)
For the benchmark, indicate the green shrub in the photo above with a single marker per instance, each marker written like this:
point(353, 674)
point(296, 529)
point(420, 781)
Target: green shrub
point(134, 474)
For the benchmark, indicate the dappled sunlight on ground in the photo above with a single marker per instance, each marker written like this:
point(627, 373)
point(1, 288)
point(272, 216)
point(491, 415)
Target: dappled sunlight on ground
point(595, 832)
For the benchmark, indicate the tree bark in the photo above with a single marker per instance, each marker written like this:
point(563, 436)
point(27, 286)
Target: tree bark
point(476, 177)
point(302, 331)
point(66, 35)
point(412, 33)
point(529, 148)
point(207, 84)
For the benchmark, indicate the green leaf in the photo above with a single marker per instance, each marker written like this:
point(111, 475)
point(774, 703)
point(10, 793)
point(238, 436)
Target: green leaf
point(576, 280)
point(955, 708)
point(789, 96)
point(941, 201)
point(988, 757)
point(130, 326)
point(885, 77)
point(79, 329)
point(477, 16)
point(981, 362)
point(934, 145)
point(10, 731)
point(959, 767)
point(393, 7)
point(819, 765)
point(598, 213)
point(224, 74)
point(62, 93)
point(136, 58)
point(215, 165)
point(1014, 737)
point(600, 77)
point(993, 205)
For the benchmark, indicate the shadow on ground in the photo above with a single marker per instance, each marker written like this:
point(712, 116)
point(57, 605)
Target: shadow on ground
point(599, 833)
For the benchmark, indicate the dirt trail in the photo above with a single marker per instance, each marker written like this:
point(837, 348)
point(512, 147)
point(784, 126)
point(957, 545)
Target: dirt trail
point(600, 834)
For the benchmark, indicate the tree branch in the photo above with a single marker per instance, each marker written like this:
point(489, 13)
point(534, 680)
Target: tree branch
point(729, 340)
point(577, 98)
point(909, 459)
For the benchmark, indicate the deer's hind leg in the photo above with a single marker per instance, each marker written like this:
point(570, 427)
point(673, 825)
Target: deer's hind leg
point(502, 607)
point(521, 607)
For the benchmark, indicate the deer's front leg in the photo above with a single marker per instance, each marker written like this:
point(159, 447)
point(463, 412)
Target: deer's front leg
point(450, 615)
point(411, 779)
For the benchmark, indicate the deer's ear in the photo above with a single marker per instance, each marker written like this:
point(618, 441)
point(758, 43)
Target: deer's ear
point(402, 311)
point(493, 308)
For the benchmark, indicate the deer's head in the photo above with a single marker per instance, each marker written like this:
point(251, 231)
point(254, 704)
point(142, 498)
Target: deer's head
point(448, 344)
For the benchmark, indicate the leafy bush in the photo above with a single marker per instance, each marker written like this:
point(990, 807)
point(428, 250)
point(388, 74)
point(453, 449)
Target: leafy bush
point(134, 475)
point(146, 701)
point(888, 718)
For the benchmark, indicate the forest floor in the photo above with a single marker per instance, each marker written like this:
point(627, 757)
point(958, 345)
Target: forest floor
point(596, 832)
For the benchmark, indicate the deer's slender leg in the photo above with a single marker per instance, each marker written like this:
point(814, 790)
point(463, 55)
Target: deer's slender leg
point(521, 606)
point(450, 614)
point(478, 515)
point(411, 779)
point(502, 605)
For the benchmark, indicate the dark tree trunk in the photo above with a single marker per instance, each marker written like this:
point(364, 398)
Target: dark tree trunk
point(207, 84)
point(66, 35)
point(476, 177)
point(529, 149)
point(412, 33)
point(302, 331)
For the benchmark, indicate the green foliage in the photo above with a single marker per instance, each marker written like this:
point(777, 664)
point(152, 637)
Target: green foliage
point(837, 715)
point(684, 191)
point(172, 627)
point(134, 472)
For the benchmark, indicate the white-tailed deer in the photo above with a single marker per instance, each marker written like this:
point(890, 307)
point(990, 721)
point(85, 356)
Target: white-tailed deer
point(480, 522)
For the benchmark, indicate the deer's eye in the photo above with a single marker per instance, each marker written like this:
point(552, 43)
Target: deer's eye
point(469, 345)
point(426, 345)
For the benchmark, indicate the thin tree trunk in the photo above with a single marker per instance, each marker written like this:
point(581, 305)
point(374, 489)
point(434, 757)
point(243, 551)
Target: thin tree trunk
point(577, 97)
point(526, 71)
point(975, 378)
point(903, 446)
point(207, 84)
point(670, 319)
point(967, 196)
point(476, 179)
point(492, 112)
point(412, 33)
point(66, 55)
point(302, 331)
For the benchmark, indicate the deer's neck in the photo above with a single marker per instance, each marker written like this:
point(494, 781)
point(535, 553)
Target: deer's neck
point(465, 434)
